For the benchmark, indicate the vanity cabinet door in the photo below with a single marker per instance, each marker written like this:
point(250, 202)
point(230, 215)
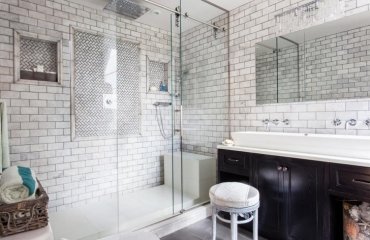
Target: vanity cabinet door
point(303, 193)
point(233, 162)
point(268, 179)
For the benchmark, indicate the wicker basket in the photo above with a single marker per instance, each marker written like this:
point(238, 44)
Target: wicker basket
point(24, 216)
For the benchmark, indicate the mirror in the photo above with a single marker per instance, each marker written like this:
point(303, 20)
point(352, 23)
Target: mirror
point(324, 62)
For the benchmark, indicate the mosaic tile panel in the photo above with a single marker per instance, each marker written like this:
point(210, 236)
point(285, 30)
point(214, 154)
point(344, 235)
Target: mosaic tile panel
point(128, 85)
point(106, 66)
point(35, 52)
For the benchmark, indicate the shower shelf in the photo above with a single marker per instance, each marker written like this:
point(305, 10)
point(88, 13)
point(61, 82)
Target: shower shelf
point(37, 58)
point(157, 72)
point(159, 92)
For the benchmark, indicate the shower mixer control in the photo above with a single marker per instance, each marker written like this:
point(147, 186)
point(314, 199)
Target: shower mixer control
point(109, 101)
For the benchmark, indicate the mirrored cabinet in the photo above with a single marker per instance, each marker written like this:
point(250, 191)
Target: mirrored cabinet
point(324, 62)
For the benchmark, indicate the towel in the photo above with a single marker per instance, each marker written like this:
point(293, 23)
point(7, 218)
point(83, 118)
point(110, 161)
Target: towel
point(17, 184)
point(4, 140)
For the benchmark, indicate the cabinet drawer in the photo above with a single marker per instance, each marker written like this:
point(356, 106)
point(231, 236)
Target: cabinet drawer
point(233, 161)
point(349, 178)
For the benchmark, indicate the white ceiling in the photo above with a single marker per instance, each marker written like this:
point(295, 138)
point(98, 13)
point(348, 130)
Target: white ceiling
point(195, 8)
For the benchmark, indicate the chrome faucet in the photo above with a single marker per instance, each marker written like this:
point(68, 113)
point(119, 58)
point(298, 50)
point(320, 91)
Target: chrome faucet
point(266, 122)
point(351, 122)
point(275, 122)
point(286, 121)
point(337, 122)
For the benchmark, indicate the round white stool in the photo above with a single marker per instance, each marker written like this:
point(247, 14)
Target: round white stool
point(238, 199)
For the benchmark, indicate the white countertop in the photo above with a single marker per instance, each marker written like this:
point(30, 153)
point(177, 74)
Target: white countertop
point(315, 157)
point(44, 233)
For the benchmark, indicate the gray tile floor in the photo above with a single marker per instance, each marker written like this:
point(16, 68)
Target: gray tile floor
point(202, 230)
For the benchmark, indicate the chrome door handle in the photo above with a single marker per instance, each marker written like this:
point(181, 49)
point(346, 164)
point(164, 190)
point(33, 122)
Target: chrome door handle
point(181, 119)
point(361, 181)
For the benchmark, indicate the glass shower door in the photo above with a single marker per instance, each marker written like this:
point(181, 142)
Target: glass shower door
point(204, 98)
point(83, 203)
point(146, 179)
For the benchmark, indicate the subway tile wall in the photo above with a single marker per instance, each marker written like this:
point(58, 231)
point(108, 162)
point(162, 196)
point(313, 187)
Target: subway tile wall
point(74, 172)
point(205, 87)
point(253, 23)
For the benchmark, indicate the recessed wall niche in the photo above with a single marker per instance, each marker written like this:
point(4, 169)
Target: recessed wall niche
point(157, 76)
point(37, 58)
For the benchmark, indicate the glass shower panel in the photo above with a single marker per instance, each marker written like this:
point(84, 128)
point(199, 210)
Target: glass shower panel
point(204, 98)
point(145, 154)
point(84, 202)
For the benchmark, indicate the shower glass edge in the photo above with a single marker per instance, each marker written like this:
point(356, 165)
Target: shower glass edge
point(146, 178)
point(204, 102)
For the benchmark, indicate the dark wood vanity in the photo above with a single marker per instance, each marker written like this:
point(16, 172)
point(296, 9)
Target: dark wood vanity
point(300, 199)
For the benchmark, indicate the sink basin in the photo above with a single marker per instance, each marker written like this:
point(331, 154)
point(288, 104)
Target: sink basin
point(321, 144)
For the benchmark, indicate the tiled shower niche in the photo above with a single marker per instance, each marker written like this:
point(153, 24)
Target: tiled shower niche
point(157, 76)
point(106, 86)
point(37, 58)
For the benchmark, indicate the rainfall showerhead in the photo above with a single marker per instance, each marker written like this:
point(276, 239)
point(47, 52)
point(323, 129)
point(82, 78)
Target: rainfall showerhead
point(129, 8)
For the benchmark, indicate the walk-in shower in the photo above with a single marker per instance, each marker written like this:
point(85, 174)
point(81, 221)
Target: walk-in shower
point(151, 156)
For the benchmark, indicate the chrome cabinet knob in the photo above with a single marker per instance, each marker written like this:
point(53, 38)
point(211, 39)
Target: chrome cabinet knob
point(279, 168)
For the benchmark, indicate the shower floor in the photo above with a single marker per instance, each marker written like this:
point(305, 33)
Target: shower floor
point(100, 219)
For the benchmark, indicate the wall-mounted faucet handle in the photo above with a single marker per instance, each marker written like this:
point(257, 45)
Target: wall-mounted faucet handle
point(275, 122)
point(266, 122)
point(337, 122)
point(367, 122)
point(351, 122)
point(286, 121)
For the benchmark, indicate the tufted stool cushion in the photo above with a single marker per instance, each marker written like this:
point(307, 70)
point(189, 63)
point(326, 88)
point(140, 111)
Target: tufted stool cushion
point(234, 195)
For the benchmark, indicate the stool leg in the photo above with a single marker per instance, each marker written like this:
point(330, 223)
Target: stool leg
point(214, 222)
point(234, 226)
point(255, 225)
